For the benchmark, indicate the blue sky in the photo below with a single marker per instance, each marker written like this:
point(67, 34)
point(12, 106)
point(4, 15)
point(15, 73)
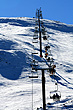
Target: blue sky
point(59, 10)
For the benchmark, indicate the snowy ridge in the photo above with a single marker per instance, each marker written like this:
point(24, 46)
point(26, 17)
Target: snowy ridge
point(15, 57)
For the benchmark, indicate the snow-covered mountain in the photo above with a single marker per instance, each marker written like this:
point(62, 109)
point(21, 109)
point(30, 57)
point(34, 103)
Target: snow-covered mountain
point(16, 36)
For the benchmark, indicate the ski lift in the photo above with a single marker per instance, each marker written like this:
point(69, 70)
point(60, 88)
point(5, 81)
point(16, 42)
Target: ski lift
point(44, 37)
point(36, 22)
point(43, 32)
point(47, 47)
point(42, 22)
point(34, 76)
point(34, 63)
point(35, 34)
point(36, 31)
point(34, 73)
point(46, 54)
point(43, 29)
point(55, 95)
point(35, 37)
point(42, 25)
point(48, 36)
point(52, 69)
point(48, 59)
point(35, 40)
point(36, 27)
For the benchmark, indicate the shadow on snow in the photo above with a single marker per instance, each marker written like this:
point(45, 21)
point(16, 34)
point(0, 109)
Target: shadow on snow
point(7, 44)
point(59, 77)
point(16, 22)
point(62, 103)
point(11, 64)
point(59, 27)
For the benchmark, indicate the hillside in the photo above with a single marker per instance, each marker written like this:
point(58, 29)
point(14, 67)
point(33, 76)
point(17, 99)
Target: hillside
point(16, 36)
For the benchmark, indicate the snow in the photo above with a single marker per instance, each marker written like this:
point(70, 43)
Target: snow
point(16, 45)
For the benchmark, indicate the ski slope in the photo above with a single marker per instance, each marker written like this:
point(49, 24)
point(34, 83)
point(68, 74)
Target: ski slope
point(16, 36)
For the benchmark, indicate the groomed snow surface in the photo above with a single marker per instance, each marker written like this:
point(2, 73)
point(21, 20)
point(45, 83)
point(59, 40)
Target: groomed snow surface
point(16, 36)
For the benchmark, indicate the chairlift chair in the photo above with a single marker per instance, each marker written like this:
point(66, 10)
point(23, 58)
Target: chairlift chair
point(43, 29)
point(44, 32)
point(47, 47)
point(36, 21)
point(46, 54)
point(48, 36)
point(35, 40)
point(36, 31)
point(42, 22)
point(55, 95)
point(35, 34)
point(51, 73)
point(36, 27)
point(49, 59)
point(44, 37)
point(34, 63)
point(34, 74)
point(42, 25)
point(35, 37)
point(41, 14)
point(51, 69)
